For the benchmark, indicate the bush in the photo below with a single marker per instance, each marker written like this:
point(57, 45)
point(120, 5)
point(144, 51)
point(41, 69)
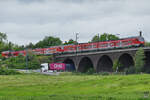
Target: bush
point(116, 65)
point(147, 70)
point(34, 64)
point(20, 62)
point(130, 70)
point(5, 71)
point(147, 44)
point(139, 60)
point(90, 71)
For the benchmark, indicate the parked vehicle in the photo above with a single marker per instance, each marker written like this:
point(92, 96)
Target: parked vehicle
point(45, 67)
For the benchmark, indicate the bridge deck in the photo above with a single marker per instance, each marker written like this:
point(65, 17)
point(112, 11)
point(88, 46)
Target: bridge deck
point(102, 52)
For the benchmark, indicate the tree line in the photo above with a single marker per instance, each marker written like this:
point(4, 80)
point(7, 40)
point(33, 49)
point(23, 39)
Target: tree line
point(47, 42)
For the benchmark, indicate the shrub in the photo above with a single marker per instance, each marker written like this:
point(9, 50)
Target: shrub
point(130, 70)
point(90, 71)
point(116, 65)
point(20, 62)
point(139, 60)
point(5, 71)
point(147, 44)
point(105, 73)
point(147, 69)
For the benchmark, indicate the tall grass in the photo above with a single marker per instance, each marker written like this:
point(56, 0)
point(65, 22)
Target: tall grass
point(74, 87)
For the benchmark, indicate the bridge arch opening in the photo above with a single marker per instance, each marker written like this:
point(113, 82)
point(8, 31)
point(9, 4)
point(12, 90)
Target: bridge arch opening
point(126, 61)
point(85, 64)
point(70, 66)
point(147, 62)
point(105, 64)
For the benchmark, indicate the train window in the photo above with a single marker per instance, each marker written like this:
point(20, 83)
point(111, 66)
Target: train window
point(118, 43)
point(112, 44)
point(70, 48)
point(124, 42)
point(87, 46)
point(94, 45)
point(104, 45)
point(141, 39)
point(136, 40)
point(50, 50)
point(129, 41)
point(79, 47)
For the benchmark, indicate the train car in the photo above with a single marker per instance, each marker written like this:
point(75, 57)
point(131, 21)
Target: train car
point(69, 48)
point(6, 54)
point(132, 42)
point(22, 53)
point(52, 50)
point(105, 45)
point(15, 53)
point(82, 47)
point(86, 47)
point(38, 51)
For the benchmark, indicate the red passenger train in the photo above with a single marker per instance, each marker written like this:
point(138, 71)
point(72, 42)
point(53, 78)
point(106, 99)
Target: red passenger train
point(82, 47)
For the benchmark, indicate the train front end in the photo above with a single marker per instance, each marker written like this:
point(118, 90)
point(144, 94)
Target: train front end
point(141, 41)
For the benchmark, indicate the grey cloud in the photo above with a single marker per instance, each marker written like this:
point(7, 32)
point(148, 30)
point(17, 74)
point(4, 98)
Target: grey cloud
point(30, 20)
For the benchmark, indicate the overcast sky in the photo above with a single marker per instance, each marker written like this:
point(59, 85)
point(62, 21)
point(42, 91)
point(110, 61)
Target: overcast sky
point(27, 21)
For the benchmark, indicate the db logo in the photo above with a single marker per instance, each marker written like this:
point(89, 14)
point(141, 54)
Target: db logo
point(58, 66)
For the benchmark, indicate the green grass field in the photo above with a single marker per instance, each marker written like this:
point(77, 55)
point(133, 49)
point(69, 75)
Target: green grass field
point(74, 87)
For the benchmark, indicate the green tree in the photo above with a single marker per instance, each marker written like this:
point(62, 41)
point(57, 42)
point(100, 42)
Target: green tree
point(116, 65)
point(147, 44)
point(30, 45)
point(139, 60)
point(3, 37)
point(19, 62)
point(95, 38)
point(104, 37)
point(71, 41)
point(112, 37)
point(3, 45)
point(17, 47)
point(48, 41)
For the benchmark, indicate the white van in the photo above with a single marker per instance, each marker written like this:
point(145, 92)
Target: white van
point(45, 68)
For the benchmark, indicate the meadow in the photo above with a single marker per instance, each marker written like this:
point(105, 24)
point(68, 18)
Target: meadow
point(74, 87)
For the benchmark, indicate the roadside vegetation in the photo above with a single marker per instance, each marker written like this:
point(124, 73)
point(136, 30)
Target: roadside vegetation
point(147, 44)
point(22, 62)
point(5, 71)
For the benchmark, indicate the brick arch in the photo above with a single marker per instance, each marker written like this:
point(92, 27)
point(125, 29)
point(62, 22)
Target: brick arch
point(104, 64)
point(70, 64)
point(68, 60)
point(126, 61)
point(85, 64)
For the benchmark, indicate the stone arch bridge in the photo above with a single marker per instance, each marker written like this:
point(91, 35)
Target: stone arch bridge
point(102, 60)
